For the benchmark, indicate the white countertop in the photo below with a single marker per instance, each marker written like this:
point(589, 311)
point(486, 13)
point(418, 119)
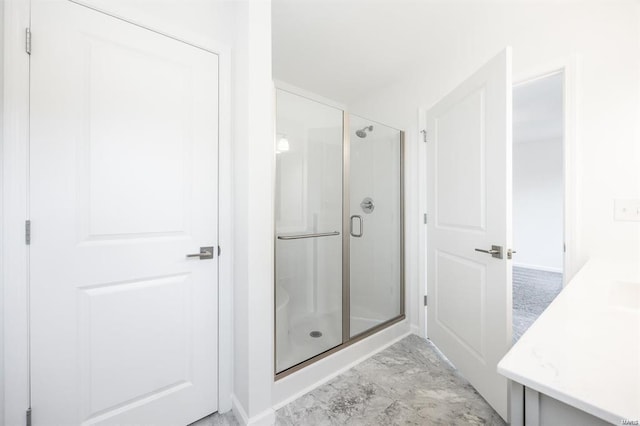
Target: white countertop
point(584, 350)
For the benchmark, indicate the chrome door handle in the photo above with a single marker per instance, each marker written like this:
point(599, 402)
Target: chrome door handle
point(358, 235)
point(496, 251)
point(205, 253)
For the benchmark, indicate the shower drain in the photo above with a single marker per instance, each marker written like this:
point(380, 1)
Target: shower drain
point(315, 333)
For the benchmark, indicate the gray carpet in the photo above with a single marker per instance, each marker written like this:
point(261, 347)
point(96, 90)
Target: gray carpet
point(533, 291)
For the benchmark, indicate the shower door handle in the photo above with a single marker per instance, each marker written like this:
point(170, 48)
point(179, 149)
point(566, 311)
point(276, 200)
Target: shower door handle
point(358, 235)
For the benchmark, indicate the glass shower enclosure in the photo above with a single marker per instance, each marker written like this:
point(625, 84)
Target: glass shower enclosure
point(339, 273)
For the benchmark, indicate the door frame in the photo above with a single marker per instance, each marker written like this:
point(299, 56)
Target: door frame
point(572, 261)
point(568, 69)
point(14, 198)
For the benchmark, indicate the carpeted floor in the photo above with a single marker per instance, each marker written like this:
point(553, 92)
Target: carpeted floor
point(533, 291)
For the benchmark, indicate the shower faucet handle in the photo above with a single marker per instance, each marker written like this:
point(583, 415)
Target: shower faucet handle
point(367, 205)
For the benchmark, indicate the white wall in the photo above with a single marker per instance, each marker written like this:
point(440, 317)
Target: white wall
point(538, 204)
point(254, 159)
point(604, 37)
point(242, 27)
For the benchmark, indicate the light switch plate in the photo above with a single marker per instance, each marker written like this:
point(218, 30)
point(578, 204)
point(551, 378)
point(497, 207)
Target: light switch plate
point(627, 210)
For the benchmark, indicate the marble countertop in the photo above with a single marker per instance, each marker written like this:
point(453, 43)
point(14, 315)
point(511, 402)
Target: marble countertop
point(584, 350)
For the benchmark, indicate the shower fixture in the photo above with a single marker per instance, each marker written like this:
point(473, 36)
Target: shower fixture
point(362, 133)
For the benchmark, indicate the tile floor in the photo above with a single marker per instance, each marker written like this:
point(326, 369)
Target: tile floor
point(408, 383)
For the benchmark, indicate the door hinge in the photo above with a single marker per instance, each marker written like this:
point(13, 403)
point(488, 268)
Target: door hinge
point(425, 218)
point(28, 416)
point(27, 41)
point(424, 135)
point(27, 232)
point(425, 300)
point(219, 251)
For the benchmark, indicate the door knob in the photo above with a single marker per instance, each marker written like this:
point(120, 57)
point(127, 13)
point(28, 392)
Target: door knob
point(205, 253)
point(496, 251)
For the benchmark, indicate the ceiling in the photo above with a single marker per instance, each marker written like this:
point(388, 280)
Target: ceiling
point(345, 49)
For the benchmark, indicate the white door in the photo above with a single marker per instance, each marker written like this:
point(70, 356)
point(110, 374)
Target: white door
point(124, 137)
point(469, 201)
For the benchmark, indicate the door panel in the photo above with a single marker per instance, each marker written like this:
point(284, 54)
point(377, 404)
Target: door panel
point(469, 193)
point(461, 182)
point(308, 244)
point(375, 212)
point(124, 134)
point(161, 122)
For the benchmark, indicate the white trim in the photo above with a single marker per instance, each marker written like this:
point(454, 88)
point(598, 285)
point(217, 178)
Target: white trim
point(239, 411)
point(422, 233)
point(538, 267)
point(279, 84)
point(303, 381)
point(15, 199)
point(1, 220)
point(416, 330)
point(14, 251)
point(569, 68)
point(265, 418)
point(225, 233)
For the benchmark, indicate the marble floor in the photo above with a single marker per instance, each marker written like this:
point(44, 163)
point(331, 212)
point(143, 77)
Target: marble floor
point(216, 419)
point(409, 383)
point(533, 291)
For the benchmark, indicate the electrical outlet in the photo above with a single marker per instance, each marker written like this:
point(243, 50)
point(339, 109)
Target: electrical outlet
point(627, 210)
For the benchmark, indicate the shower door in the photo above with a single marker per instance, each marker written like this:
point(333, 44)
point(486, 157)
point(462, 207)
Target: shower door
point(308, 273)
point(375, 224)
point(338, 242)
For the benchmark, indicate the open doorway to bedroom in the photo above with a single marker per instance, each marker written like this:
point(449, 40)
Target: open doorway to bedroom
point(538, 197)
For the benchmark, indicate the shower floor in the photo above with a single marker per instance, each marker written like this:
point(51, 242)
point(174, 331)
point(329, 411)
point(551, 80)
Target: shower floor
point(302, 346)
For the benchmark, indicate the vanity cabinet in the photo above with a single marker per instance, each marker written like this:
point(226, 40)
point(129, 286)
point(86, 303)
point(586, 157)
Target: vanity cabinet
point(532, 408)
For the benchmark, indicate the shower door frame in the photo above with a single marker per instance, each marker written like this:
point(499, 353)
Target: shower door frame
point(347, 340)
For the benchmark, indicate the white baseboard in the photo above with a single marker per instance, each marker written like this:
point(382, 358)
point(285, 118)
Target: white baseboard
point(297, 384)
point(415, 330)
point(538, 267)
point(266, 418)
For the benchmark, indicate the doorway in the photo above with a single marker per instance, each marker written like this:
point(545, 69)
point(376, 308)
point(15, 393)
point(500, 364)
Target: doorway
point(474, 272)
point(538, 197)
